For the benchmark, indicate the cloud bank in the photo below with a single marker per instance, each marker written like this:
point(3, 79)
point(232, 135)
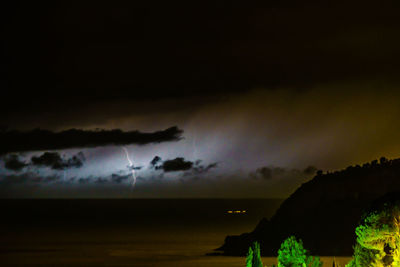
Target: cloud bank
point(18, 141)
point(13, 162)
point(54, 161)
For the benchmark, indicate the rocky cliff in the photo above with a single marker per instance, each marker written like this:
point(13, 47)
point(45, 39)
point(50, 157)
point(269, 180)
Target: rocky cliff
point(323, 212)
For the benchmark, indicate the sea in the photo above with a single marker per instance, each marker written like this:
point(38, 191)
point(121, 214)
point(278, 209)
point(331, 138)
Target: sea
point(128, 232)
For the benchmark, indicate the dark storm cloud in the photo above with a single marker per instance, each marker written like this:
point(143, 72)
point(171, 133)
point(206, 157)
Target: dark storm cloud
point(219, 49)
point(136, 168)
point(114, 178)
point(48, 179)
point(268, 173)
point(197, 172)
point(177, 164)
point(180, 164)
point(15, 179)
point(12, 162)
point(310, 170)
point(101, 181)
point(27, 178)
point(200, 169)
point(271, 172)
point(56, 162)
point(155, 161)
point(264, 172)
point(84, 180)
point(17, 141)
point(117, 178)
point(32, 178)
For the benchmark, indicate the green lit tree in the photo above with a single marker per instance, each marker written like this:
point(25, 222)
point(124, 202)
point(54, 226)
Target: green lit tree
point(293, 254)
point(378, 238)
point(249, 258)
point(253, 258)
point(313, 261)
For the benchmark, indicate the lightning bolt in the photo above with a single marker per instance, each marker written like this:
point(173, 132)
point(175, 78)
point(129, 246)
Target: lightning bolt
point(131, 166)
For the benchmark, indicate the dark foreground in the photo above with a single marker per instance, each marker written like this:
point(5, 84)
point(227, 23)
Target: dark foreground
point(124, 232)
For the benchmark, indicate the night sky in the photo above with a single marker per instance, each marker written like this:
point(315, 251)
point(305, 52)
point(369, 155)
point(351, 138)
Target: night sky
point(210, 100)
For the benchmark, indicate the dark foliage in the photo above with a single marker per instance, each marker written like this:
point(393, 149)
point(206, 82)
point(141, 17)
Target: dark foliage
point(310, 170)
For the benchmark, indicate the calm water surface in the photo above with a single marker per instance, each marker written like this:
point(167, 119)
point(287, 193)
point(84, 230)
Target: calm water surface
point(155, 233)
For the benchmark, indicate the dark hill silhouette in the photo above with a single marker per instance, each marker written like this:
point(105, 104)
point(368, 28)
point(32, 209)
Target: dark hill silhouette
point(323, 212)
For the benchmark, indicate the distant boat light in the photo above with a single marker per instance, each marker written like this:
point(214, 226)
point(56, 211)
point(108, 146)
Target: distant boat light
point(236, 211)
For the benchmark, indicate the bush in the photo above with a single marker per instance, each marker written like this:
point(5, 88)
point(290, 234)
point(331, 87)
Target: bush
point(293, 254)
